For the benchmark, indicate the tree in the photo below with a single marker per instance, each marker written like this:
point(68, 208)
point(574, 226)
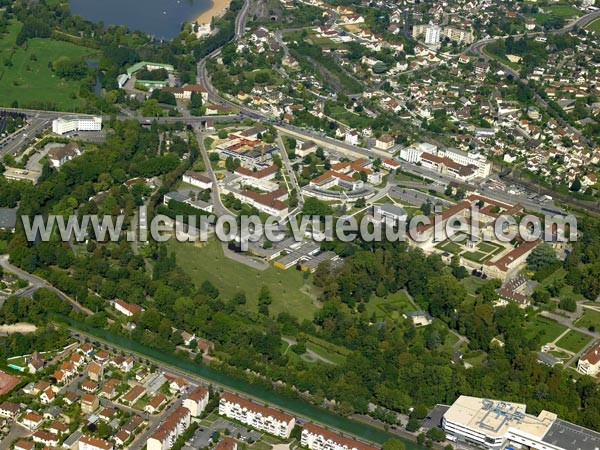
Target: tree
point(223, 134)
point(576, 185)
point(541, 257)
point(315, 207)
point(393, 444)
point(436, 434)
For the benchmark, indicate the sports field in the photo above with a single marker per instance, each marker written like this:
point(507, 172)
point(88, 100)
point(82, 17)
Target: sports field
point(25, 75)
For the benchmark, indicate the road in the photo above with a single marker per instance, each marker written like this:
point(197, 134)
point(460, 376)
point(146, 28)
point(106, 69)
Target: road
point(38, 283)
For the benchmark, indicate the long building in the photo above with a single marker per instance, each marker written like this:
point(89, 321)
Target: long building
point(260, 417)
point(167, 433)
point(318, 438)
point(69, 124)
point(493, 424)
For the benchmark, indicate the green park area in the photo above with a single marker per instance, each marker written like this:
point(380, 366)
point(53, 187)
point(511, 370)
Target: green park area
point(481, 252)
point(573, 341)
point(291, 292)
point(548, 330)
point(589, 319)
point(594, 26)
point(26, 75)
point(564, 11)
point(390, 307)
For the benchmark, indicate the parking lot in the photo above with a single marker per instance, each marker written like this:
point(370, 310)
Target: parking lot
point(204, 435)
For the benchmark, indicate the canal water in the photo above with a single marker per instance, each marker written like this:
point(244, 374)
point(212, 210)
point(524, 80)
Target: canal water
point(297, 406)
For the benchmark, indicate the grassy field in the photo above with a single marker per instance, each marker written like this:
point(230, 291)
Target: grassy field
point(594, 26)
point(478, 257)
point(26, 77)
point(327, 350)
point(590, 318)
point(3, 245)
point(290, 291)
point(573, 341)
point(471, 284)
point(548, 329)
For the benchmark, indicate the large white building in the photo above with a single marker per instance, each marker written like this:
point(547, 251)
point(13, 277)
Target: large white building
point(167, 433)
point(493, 424)
point(197, 401)
point(318, 438)
point(472, 158)
point(589, 364)
point(432, 34)
point(69, 124)
point(413, 153)
point(260, 417)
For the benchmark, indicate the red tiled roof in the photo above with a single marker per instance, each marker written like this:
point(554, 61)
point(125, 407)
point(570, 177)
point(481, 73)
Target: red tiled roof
point(264, 410)
point(335, 437)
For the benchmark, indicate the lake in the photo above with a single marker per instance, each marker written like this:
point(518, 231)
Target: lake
point(158, 18)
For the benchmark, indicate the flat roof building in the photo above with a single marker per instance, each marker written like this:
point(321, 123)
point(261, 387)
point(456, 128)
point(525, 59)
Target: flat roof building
point(493, 424)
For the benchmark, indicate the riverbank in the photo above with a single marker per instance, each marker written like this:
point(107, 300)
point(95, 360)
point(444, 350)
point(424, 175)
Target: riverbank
point(217, 9)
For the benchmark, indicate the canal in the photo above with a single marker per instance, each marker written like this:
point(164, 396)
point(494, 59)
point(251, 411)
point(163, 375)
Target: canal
point(297, 406)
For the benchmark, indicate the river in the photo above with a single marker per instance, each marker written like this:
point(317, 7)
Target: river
point(297, 406)
point(159, 18)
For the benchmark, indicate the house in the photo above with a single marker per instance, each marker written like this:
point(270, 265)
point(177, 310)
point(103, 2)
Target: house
point(134, 394)
point(70, 398)
point(60, 155)
point(94, 443)
point(197, 401)
point(45, 438)
point(390, 164)
point(124, 364)
point(47, 396)
point(128, 309)
point(384, 142)
point(9, 410)
point(107, 414)
point(101, 356)
point(8, 219)
point(197, 179)
point(59, 428)
point(177, 384)
point(24, 445)
point(156, 403)
point(167, 433)
point(36, 362)
point(32, 421)
point(95, 371)
point(419, 318)
point(227, 443)
point(109, 389)
point(589, 364)
point(304, 148)
point(351, 138)
point(260, 417)
point(318, 438)
point(86, 350)
point(89, 386)
point(89, 403)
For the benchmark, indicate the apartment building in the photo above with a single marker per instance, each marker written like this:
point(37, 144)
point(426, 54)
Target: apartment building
point(197, 401)
point(318, 438)
point(167, 433)
point(260, 417)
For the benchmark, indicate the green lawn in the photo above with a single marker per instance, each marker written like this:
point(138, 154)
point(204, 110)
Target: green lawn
point(390, 307)
point(566, 290)
point(478, 257)
point(26, 77)
point(573, 341)
point(291, 292)
point(590, 318)
point(547, 329)
point(3, 245)
point(471, 284)
point(450, 247)
point(594, 26)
